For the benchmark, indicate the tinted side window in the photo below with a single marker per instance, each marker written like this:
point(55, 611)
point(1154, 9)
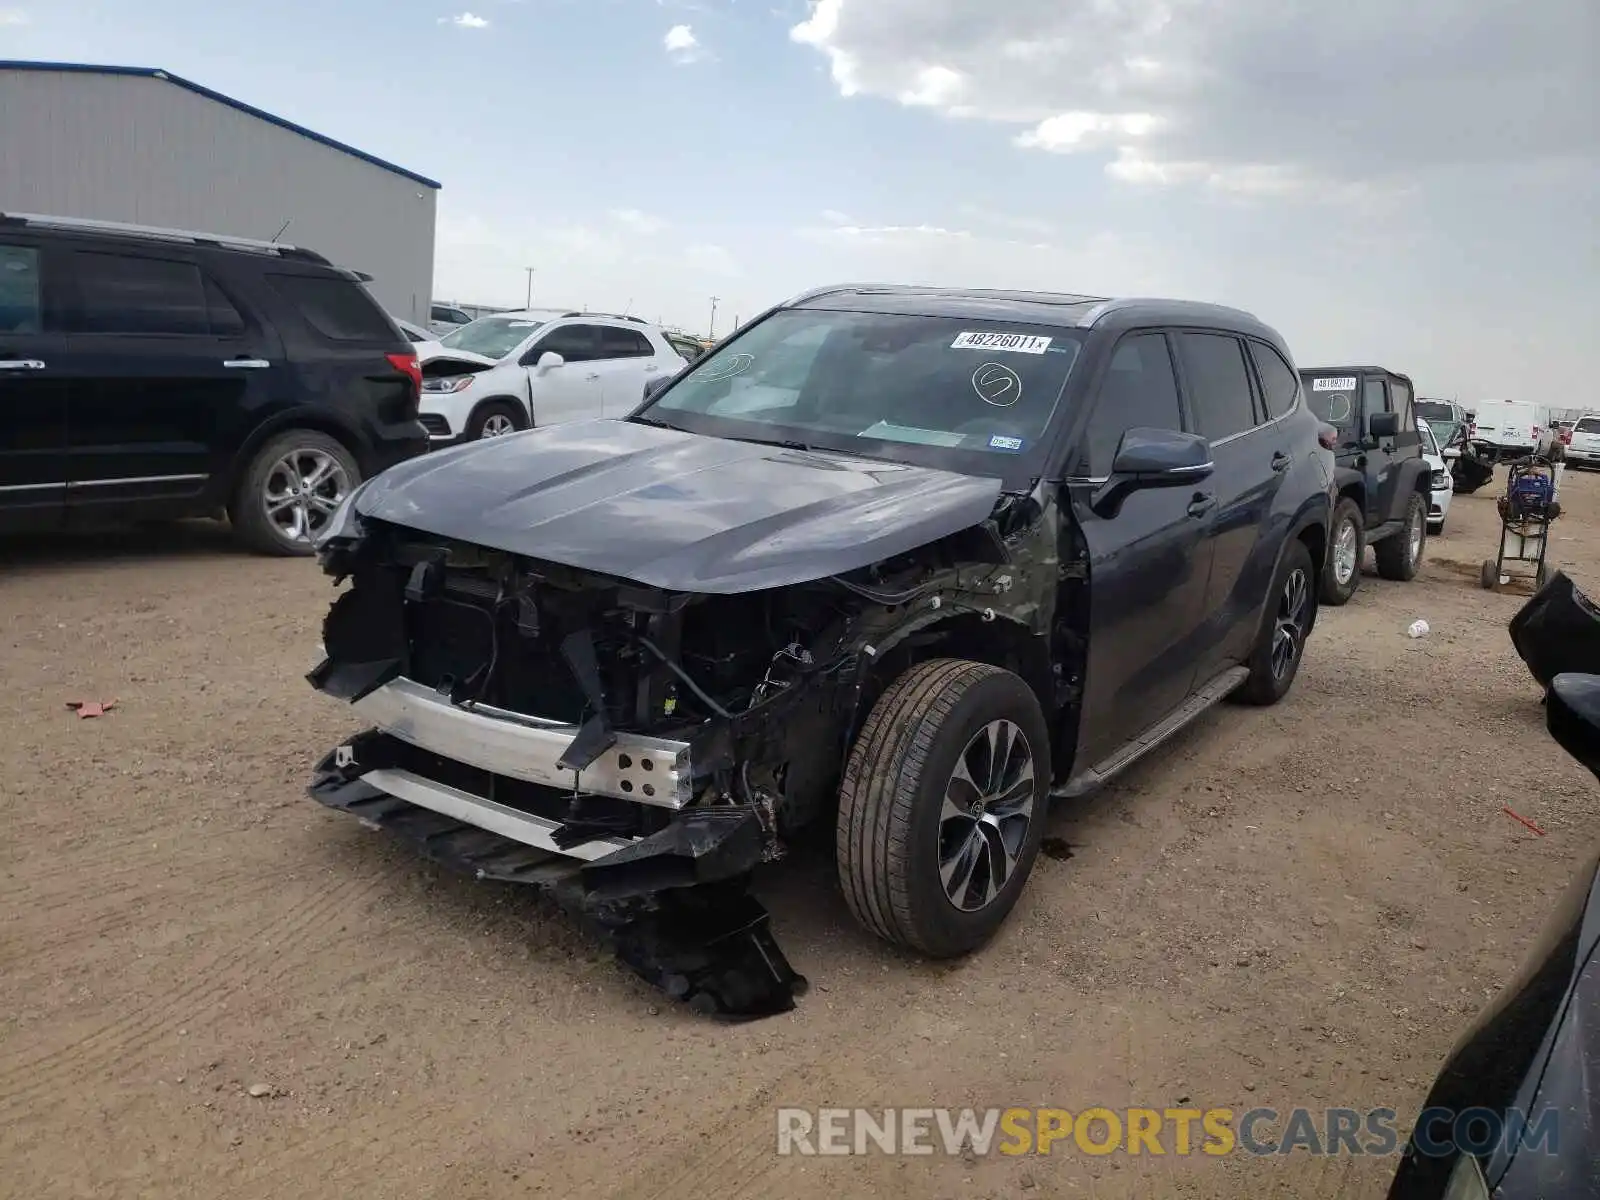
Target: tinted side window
point(224, 317)
point(1219, 387)
point(336, 308)
point(575, 343)
point(623, 343)
point(21, 310)
point(1279, 383)
point(1139, 391)
point(121, 293)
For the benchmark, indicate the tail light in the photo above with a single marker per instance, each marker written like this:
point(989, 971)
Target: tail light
point(408, 366)
point(1328, 437)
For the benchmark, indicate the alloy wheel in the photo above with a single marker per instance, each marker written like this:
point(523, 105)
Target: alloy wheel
point(1345, 547)
point(497, 425)
point(1289, 626)
point(302, 490)
point(983, 823)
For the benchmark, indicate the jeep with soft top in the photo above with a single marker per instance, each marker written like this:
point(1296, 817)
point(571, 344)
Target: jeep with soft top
point(1383, 483)
point(909, 560)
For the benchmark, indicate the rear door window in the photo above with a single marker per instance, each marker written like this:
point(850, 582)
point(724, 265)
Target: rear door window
point(1218, 384)
point(131, 294)
point(338, 309)
point(1400, 394)
point(623, 343)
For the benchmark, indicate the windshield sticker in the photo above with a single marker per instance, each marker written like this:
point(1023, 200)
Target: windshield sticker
point(1001, 442)
point(997, 384)
point(1017, 343)
point(888, 432)
point(1337, 383)
point(724, 368)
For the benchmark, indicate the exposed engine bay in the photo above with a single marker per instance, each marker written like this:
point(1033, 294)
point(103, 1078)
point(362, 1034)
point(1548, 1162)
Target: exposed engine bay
point(638, 751)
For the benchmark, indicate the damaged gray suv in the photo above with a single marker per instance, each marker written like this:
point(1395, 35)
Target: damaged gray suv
point(909, 560)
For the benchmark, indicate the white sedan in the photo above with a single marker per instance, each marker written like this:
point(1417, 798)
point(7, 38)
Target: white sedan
point(1443, 485)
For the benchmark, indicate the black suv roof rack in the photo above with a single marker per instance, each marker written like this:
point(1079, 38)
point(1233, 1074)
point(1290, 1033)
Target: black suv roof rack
point(220, 241)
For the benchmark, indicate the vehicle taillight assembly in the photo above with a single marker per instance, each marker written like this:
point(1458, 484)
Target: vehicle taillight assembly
point(408, 366)
point(1328, 437)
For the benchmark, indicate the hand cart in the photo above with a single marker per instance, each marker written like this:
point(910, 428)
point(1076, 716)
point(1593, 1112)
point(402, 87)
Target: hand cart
point(1526, 509)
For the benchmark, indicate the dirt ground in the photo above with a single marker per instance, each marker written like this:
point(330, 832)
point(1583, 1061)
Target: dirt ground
point(1293, 906)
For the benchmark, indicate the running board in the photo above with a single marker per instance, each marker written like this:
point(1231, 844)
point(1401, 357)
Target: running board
point(1099, 775)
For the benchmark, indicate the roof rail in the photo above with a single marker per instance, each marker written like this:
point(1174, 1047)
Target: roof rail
point(1199, 308)
point(158, 233)
point(608, 316)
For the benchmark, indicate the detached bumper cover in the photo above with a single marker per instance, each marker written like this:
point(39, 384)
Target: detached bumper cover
point(1557, 630)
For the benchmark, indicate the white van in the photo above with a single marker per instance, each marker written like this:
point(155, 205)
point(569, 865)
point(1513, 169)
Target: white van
point(1510, 428)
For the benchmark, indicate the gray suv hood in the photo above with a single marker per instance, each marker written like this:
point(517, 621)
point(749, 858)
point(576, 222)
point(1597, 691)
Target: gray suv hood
point(676, 510)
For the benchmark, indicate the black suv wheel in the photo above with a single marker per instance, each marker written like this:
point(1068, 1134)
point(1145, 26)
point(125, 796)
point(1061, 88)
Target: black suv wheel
point(1291, 610)
point(942, 807)
point(1400, 555)
point(291, 487)
point(1341, 574)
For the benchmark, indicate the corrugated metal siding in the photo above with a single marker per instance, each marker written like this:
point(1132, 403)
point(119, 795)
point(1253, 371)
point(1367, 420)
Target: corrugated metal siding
point(125, 148)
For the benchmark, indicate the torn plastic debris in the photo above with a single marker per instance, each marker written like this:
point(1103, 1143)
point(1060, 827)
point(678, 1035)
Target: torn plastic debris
point(708, 945)
point(91, 708)
point(1557, 630)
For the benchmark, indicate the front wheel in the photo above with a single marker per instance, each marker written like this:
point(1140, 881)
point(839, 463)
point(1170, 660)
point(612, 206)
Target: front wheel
point(1400, 555)
point(1281, 643)
point(942, 806)
point(1341, 574)
point(496, 418)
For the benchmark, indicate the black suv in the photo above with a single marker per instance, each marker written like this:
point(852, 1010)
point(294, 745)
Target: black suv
point(908, 560)
point(1383, 482)
point(152, 373)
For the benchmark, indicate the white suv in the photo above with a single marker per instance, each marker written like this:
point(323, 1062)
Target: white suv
point(1584, 449)
point(510, 371)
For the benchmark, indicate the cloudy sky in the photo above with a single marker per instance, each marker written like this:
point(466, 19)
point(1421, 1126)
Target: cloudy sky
point(1414, 183)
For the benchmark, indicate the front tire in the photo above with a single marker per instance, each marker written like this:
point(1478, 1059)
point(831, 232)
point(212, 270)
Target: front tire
point(942, 806)
point(1281, 643)
point(495, 418)
point(1347, 542)
point(289, 491)
point(1400, 555)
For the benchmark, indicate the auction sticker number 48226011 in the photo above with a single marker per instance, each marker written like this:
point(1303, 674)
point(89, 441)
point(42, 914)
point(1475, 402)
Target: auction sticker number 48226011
point(1018, 343)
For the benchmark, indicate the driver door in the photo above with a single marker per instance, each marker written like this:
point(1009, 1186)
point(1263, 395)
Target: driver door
point(574, 391)
point(1149, 562)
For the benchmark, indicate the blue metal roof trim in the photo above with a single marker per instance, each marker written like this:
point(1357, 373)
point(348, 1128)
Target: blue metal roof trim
point(199, 90)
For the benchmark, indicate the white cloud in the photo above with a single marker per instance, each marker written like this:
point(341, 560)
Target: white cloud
point(712, 260)
point(1256, 97)
point(465, 20)
point(637, 221)
point(681, 44)
point(13, 16)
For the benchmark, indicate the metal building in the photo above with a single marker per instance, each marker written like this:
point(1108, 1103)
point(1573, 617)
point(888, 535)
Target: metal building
point(144, 146)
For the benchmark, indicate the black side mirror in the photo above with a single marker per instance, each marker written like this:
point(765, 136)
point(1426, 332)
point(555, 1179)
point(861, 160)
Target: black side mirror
point(1383, 424)
point(1150, 458)
point(654, 386)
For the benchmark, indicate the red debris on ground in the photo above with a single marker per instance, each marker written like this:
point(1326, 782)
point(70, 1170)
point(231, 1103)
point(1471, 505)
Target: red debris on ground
point(91, 708)
point(1523, 819)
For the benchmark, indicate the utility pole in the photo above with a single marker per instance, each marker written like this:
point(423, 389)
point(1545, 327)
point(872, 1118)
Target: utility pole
point(712, 333)
point(528, 303)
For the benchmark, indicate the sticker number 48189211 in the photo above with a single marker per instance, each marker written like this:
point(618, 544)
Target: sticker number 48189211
point(1018, 343)
point(1335, 383)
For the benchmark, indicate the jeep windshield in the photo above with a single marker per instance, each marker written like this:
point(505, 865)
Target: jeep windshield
point(492, 337)
point(952, 392)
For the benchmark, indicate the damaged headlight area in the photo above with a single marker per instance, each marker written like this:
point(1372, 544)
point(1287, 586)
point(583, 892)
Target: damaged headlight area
point(635, 751)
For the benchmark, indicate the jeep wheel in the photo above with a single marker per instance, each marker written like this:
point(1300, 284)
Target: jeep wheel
point(291, 488)
point(1341, 574)
point(942, 806)
point(1281, 644)
point(1400, 555)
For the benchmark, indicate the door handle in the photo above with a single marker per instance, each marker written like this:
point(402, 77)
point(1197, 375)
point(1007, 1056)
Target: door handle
point(1201, 504)
point(1281, 461)
point(596, 375)
point(254, 364)
point(21, 364)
